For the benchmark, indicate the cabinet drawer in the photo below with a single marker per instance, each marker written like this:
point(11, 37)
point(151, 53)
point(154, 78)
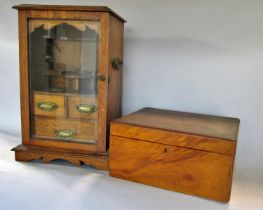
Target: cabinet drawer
point(82, 107)
point(48, 105)
point(67, 130)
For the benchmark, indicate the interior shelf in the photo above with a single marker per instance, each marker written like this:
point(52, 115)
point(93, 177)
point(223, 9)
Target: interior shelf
point(64, 38)
point(49, 92)
point(71, 74)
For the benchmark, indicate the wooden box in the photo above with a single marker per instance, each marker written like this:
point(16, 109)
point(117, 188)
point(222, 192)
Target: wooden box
point(185, 152)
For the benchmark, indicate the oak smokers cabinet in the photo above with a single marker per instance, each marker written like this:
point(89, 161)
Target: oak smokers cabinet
point(70, 81)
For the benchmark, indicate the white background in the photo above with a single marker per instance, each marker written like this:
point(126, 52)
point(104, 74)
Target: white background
point(203, 56)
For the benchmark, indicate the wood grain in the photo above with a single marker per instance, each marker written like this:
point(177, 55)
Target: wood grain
point(103, 69)
point(190, 123)
point(45, 154)
point(58, 100)
point(45, 128)
point(115, 83)
point(68, 8)
point(63, 15)
point(196, 172)
point(24, 83)
point(173, 138)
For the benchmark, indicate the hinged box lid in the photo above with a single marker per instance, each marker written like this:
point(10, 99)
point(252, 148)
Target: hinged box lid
point(196, 131)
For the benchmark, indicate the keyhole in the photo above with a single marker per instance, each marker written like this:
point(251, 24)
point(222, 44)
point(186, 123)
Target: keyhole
point(165, 150)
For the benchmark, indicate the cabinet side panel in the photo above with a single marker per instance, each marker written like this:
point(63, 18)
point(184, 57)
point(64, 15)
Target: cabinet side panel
point(103, 85)
point(115, 83)
point(24, 89)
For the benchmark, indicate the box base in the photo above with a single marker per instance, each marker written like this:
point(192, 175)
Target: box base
point(45, 154)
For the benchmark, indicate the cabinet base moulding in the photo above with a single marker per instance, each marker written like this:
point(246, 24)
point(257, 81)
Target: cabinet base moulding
point(28, 153)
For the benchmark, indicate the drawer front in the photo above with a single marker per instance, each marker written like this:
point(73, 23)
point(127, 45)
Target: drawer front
point(48, 105)
point(66, 130)
point(82, 107)
point(196, 172)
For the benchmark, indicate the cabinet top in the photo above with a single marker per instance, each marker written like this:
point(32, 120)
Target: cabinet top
point(199, 124)
point(67, 8)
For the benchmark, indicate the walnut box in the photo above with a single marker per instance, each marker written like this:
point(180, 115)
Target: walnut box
point(184, 152)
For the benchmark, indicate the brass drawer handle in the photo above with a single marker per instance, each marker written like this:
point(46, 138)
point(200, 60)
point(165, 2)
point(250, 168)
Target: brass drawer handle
point(86, 108)
point(67, 134)
point(47, 106)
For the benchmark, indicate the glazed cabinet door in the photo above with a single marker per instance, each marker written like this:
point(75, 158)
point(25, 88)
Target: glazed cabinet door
point(66, 83)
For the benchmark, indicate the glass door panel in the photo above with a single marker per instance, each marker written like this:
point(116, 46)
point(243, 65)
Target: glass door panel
point(63, 62)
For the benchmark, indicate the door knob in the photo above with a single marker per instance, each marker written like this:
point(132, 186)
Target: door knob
point(116, 63)
point(101, 77)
